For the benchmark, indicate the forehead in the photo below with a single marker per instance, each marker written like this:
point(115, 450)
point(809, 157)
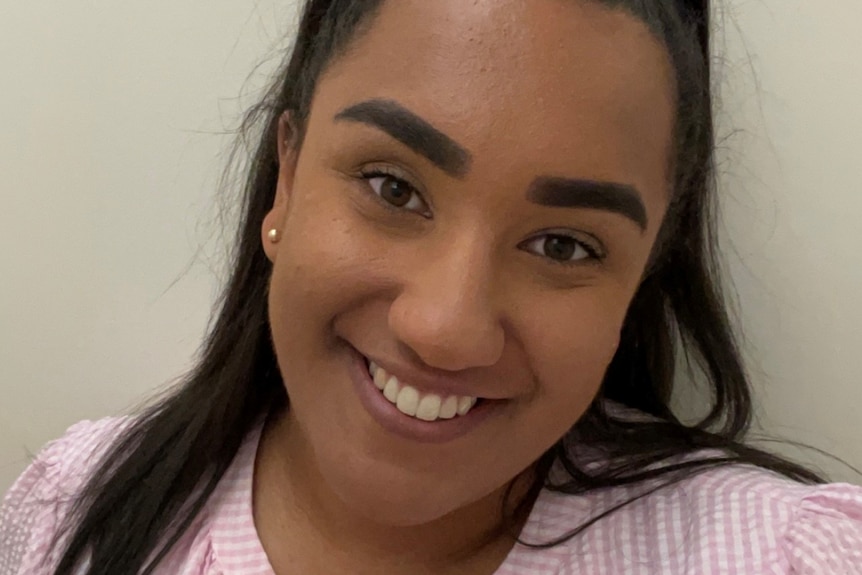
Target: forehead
point(568, 87)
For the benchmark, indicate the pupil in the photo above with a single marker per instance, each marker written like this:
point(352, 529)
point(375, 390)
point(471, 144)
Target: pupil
point(395, 192)
point(560, 248)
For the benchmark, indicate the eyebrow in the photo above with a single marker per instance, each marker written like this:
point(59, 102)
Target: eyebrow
point(412, 131)
point(573, 193)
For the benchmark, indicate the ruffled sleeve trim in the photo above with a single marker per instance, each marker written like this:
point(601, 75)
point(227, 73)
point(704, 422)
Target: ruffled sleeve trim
point(34, 508)
point(825, 536)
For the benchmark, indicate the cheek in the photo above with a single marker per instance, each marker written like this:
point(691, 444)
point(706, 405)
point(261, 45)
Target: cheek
point(319, 257)
point(571, 349)
point(319, 250)
point(568, 350)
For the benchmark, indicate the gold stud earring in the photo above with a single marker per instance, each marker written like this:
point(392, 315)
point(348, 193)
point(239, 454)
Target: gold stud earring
point(273, 235)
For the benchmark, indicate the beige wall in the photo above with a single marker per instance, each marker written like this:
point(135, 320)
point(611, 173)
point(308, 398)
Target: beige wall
point(791, 82)
point(109, 154)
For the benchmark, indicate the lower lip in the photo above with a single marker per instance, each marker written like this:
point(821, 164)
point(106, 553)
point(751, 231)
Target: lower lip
point(397, 423)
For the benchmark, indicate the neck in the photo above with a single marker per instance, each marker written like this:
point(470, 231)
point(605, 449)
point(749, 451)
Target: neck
point(292, 497)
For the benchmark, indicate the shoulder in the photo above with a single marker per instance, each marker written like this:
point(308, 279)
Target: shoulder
point(66, 462)
point(729, 520)
point(34, 508)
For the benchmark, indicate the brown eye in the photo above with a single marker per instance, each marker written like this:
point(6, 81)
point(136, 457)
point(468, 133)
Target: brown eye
point(561, 249)
point(396, 192)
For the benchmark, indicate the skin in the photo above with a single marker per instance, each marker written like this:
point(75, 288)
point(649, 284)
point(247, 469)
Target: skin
point(459, 290)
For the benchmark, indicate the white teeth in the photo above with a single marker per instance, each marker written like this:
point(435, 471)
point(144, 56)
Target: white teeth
point(465, 404)
point(410, 401)
point(449, 409)
point(379, 378)
point(391, 390)
point(429, 408)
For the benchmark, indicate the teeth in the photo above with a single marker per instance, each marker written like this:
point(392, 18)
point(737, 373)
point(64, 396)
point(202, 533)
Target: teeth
point(429, 408)
point(449, 409)
point(465, 404)
point(409, 401)
point(391, 390)
point(379, 378)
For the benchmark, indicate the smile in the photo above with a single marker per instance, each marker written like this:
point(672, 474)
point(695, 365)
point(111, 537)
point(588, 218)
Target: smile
point(423, 415)
point(409, 401)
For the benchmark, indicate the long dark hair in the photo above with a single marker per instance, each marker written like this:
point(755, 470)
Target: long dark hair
point(180, 447)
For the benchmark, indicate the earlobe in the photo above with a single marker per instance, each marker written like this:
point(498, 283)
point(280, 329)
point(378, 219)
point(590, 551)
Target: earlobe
point(270, 233)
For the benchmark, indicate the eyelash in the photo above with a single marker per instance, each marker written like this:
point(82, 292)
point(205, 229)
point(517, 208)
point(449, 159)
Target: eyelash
point(383, 172)
point(594, 255)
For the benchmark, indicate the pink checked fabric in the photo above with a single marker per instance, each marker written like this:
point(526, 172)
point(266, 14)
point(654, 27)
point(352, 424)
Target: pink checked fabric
point(730, 521)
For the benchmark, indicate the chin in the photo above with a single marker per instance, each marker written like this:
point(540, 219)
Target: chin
point(392, 496)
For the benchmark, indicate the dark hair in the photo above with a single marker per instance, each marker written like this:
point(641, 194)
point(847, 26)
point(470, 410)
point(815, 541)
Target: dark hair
point(180, 447)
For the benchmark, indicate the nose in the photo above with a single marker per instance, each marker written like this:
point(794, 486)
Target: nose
point(445, 312)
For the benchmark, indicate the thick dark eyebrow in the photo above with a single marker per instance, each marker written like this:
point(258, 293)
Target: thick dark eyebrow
point(572, 193)
point(412, 131)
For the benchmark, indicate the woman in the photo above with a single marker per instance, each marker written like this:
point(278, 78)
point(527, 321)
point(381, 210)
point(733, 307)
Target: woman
point(476, 239)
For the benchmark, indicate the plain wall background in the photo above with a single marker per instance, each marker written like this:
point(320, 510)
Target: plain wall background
point(111, 145)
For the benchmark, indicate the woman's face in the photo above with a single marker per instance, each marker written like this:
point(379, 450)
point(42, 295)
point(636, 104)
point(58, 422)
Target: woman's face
point(472, 209)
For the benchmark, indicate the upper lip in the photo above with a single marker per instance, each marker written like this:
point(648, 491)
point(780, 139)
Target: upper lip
point(442, 385)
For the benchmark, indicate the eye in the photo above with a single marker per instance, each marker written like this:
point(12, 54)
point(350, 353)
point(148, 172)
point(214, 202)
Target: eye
point(562, 249)
point(396, 192)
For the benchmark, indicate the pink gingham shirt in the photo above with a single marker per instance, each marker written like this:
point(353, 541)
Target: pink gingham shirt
point(728, 521)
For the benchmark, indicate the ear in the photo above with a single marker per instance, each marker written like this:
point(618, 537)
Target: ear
point(287, 157)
